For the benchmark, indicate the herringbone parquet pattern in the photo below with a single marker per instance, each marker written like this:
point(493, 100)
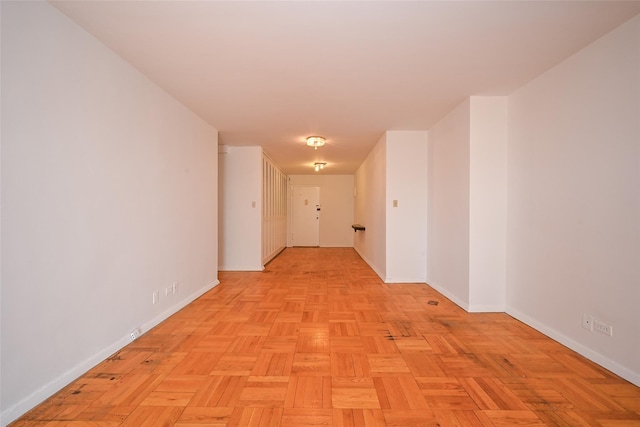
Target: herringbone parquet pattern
point(318, 339)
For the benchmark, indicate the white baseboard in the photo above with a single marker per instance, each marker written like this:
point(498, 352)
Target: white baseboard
point(475, 308)
point(241, 268)
point(177, 307)
point(620, 370)
point(373, 267)
point(457, 301)
point(469, 308)
point(12, 413)
point(403, 280)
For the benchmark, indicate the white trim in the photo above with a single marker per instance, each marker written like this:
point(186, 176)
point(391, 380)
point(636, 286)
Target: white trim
point(474, 308)
point(14, 412)
point(404, 280)
point(462, 304)
point(623, 371)
point(373, 267)
point(241, 268)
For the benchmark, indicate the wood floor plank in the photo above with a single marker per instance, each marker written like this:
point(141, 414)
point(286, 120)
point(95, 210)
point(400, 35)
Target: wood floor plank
point(462, 418)
point(387, 364)
point(256, 417)
point(311, 364)
point(264, 392)
point(409, 418)
point(352, 397)
point(446, 393)
point(221, 391)
point(399, 393)
point(513, 418)
point(308, 392)
point(153, 416)
point(210, 416)
point(197, 363)
point(317, 339)
point(313, 343)
point(358, 418)
point(302, 417)
point(579, 392)
point(273, 364)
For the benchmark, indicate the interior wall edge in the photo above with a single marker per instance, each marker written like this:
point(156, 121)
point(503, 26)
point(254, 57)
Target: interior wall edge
point(457, 301)
point(373, 267)
point(613, 366)
point(20, 408)
point(479, 308)
point(404, 280)
point(241, 268)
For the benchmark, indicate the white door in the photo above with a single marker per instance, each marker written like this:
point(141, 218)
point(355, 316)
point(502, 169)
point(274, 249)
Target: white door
point(306, 216)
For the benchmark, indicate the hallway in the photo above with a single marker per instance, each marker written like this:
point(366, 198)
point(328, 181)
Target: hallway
point(318, 339)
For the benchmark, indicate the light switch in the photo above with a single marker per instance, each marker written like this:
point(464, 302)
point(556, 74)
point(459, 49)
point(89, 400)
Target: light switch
point(253, 204)
point(395, 203)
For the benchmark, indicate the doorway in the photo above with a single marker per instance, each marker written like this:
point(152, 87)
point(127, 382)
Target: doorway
point(305, 206)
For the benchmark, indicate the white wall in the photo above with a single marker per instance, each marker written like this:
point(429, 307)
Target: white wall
point(239, 228)
point(448, 205)
point(406, 228)
point(1, 409)
point(466, 258)
point(487, 203)
point(109, 192)
point(274, 209)
point(370, 209)
point(574, 205)
point(337, 204)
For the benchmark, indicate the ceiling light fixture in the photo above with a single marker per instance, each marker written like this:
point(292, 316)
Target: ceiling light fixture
point(317, 166)
point(315, 141)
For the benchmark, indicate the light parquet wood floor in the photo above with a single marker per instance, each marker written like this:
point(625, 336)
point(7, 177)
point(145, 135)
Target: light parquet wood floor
point(318, 340)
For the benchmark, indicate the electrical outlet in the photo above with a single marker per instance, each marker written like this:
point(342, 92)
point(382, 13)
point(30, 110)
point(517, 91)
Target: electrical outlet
point(175, 287)
point(603, 328)
point(587, 322)
point(156, 296)
point(169, 290)
point(135, 334)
